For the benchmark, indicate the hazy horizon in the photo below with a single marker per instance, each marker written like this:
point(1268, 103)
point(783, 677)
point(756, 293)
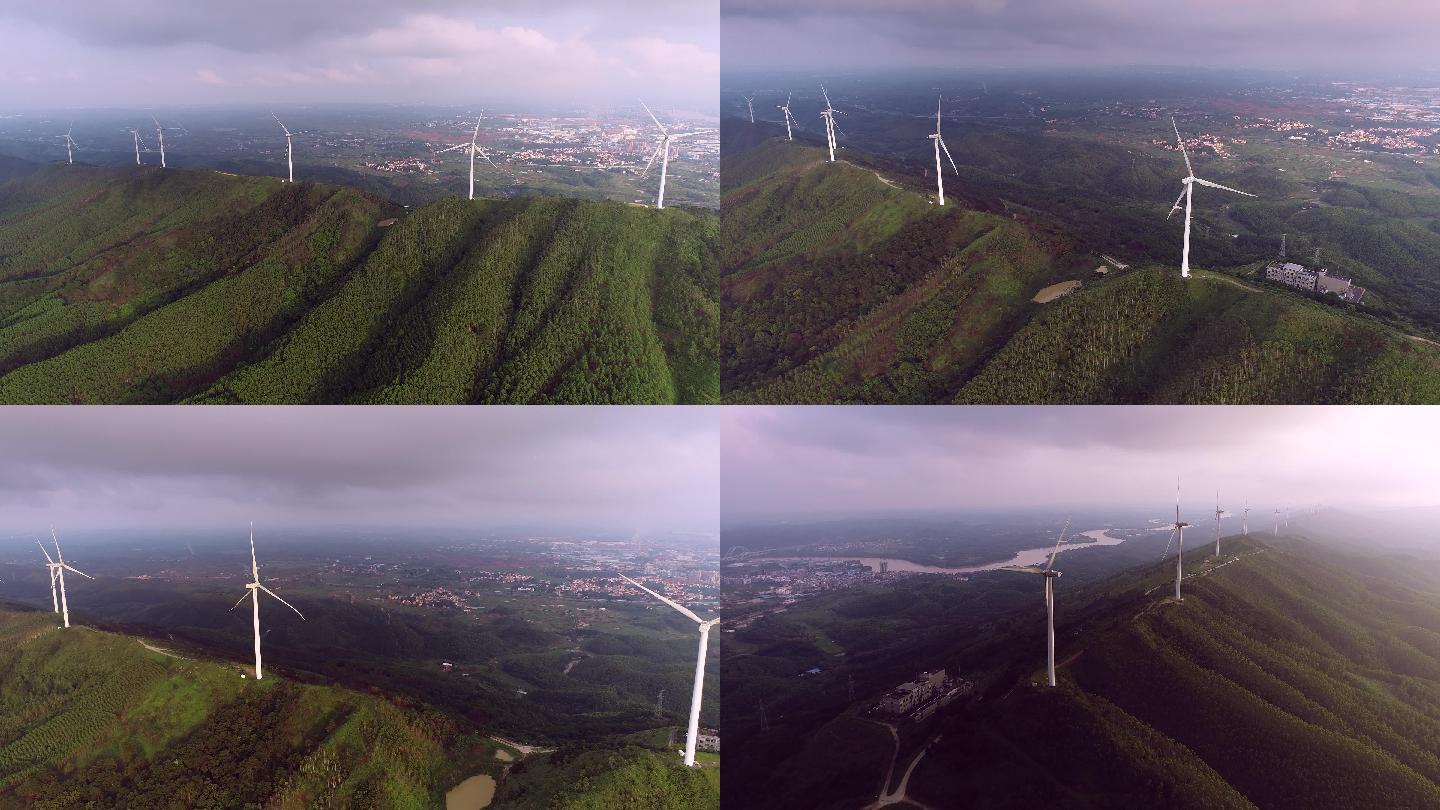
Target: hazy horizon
point(830, 462)
point(631, 468)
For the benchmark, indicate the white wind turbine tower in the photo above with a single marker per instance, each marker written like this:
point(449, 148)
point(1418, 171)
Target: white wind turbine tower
point(1177, 528)
point(58, 567)
point(829, 115)
point(785, 108)
point(662, 151)
point(940, 144)
point(1277, 522)
point(1050, 574)
point(289, 149)
point(750, 106)
point(1245, 521)
point(1186, 193)
point(474, 147)
point(160, 132)
point(254, 589)
point(69, 145)
point(1219, 513)
point(50, 566)
point(136, 135)
point(694, 728)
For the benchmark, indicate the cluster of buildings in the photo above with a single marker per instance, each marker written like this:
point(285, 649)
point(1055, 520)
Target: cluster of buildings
point(1320, 280)
point(433, 598)
point(405, 165)
point(1213, 143)
point(919, 698)
point(708, 739)
point(1403, 139)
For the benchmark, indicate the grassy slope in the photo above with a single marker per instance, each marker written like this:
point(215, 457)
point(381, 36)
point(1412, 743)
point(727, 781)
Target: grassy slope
point(1285, 679)
point(1149, 337)
point(840, 287)
point(599, 780)
point(87, 716)
point(149, 286)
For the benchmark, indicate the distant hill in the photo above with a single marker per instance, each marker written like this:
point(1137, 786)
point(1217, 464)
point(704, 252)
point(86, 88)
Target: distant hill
point(842, 283)
point(147, 285)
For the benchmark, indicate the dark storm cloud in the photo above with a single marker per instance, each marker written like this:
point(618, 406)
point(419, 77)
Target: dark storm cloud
point(1279, 34)
point(655, 467)
point(851, 459)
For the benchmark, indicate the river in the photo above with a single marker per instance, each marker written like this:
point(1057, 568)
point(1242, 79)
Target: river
point(473, 794)
point(1029, 556)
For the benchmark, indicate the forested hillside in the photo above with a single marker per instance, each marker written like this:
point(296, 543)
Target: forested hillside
point(1292, 677)
point(143, 285)
point(841, 284)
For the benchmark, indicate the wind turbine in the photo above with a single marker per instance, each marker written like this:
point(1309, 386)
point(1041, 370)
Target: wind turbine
point(694, 728)
point(475, 147)
point(750, 106)
point(940, 144)
point(160, 131)
point(1187, 193)
point(1245, 520)
point(1277, 522)
point(1178, 528)
point(662, 151)
point(254, 589)
point(58, 567)
point(50, 566)
point(788, 117)
point(69, 144)
point(136, 135)
point(829, 115)
point(290, 162)
point(1050, 574)
point(1219, 513)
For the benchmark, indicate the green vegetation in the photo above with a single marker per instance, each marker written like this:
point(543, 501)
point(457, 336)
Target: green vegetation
point(1294, 675)
point(91, 719)
point(141, 286)
point(838, 286)
point(600, 780)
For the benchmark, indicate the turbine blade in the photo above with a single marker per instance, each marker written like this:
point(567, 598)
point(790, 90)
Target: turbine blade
point(1058, 541)
point(1225, 188)
point(254, 566)
point(653, 118)
point(1168, 543)
point(658, 147)
point(242, 599)
point(946, 149)
point(670, 602)
point(75, 570)
point(48, 558)
point(482, 153)
point(1023, 569)
point(1181, 143)
point(1176, 206)
point(282, 601)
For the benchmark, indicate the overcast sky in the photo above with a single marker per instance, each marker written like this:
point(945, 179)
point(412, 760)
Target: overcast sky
point(848, 459)
point(173, 52)
point(631, 468)
point(1290, 34)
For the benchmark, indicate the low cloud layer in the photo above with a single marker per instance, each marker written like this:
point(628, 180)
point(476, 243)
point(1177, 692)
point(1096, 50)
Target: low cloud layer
point(171, 53)
point(1283, 34)
point(780, 461)
point(651, 469)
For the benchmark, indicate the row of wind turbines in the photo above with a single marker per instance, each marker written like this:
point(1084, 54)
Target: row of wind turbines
point(1177, 532)
point(828, 113)
point(662, 149)
point(57, 568)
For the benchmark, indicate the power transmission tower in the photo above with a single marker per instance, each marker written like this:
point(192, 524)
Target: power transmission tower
point(764, 721)
point(852, 688)
point(660, 704)
point(1282, 245)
